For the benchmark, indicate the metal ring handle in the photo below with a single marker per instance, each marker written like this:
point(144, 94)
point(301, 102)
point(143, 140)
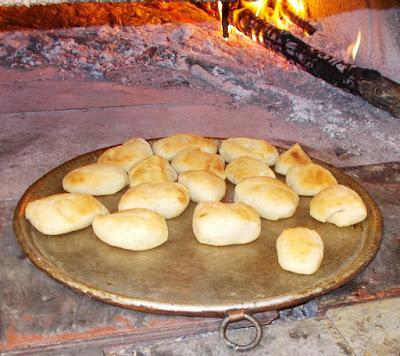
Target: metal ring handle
point(237, 347)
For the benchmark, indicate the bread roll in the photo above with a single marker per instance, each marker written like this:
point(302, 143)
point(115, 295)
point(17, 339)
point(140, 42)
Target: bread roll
point(168, 147)
point(234, 148)
point(62, 213)
point(272, 199)
point(338, 205)
point(127, 154)
point(294, 156)
point(310, 179)
point(153, 169)
point(168, 199)
point(135, 229)
point(300, 250)
point(95, 179)
point(220, 224)
point(203, 185)
point(194, 159)
point(246, 167)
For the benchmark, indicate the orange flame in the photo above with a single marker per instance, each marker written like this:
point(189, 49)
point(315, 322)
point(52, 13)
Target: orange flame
point(297, 7)
point(353, 48)
point(277, 15)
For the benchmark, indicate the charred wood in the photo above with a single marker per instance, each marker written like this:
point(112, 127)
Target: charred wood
point(298, 21)
point(367, 83)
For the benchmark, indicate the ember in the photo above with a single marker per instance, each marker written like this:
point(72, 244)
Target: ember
point(252, 19)
point(176, 44)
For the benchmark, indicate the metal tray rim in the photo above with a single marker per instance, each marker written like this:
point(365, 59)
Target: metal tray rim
point(286, 300)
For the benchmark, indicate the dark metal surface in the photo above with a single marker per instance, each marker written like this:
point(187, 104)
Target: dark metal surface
point(184, 277)
point(236, 316)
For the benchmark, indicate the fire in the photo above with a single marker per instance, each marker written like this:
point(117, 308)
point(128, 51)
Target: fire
point(277, 12)
point(281, 13)
point(353, 48)
point(297, 7)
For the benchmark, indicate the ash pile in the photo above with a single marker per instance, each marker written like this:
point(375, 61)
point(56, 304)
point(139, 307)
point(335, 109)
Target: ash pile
point(178, 45)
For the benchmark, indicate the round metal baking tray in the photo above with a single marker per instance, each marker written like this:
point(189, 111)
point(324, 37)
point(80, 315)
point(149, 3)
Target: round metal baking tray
point(185, 277)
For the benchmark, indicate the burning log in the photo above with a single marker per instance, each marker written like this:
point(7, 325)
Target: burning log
point(366, 83)
point(298, 21)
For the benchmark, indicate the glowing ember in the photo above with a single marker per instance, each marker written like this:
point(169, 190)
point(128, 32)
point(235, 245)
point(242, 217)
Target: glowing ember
point(353, 48)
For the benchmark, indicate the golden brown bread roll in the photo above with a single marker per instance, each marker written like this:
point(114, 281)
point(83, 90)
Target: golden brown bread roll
point(300, 250)
point(220, 224)
point(135, 229)
point(294, 156)
point(247, 167)
point(203, 185)
point(338, 205)
point(194, 159)
point(153, 169)
point(95, 179)
point(272, 199)
point(127, 154)
point(63, 213)
point(234, 148)
point(168, 199)
point(310, 179)
point(168, 147)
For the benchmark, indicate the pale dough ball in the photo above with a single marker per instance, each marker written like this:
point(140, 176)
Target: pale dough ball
point(310, 179)
point(220, 224)
point(95, 179)
point(234, 148)
point(153, 169)
point(247, 167)
point(168, 147)
point(338, 205)
point(168, 199)
point(127, 155)
point(294, 156)
point(271, 198)
point(135, 229)
point(203, 185)
point(194, 159)
point(63, 213)
point(300, 250)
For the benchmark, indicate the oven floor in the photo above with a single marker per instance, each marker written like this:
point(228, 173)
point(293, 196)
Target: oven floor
point(45, 121)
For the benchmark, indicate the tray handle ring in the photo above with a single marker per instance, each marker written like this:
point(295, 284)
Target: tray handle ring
point(237, 315)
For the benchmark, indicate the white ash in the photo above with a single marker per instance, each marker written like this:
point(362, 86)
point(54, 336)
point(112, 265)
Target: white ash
point(195, 55)
point(317, 112)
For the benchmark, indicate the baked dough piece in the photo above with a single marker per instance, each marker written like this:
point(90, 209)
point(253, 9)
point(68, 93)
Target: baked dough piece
point(294, 156)
point(272, 199)
point(168, 199)
point(246, 167)
point(234, 148)
point(168, 147)
point(135, 229)
point(300, 250)
point(338, 205)
point(310, 179)
point(62, 213)
point(220, 224)
point(153, 169)
point(194, 159)
point(127, 154)
point(95, 179)
point(203, 185)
